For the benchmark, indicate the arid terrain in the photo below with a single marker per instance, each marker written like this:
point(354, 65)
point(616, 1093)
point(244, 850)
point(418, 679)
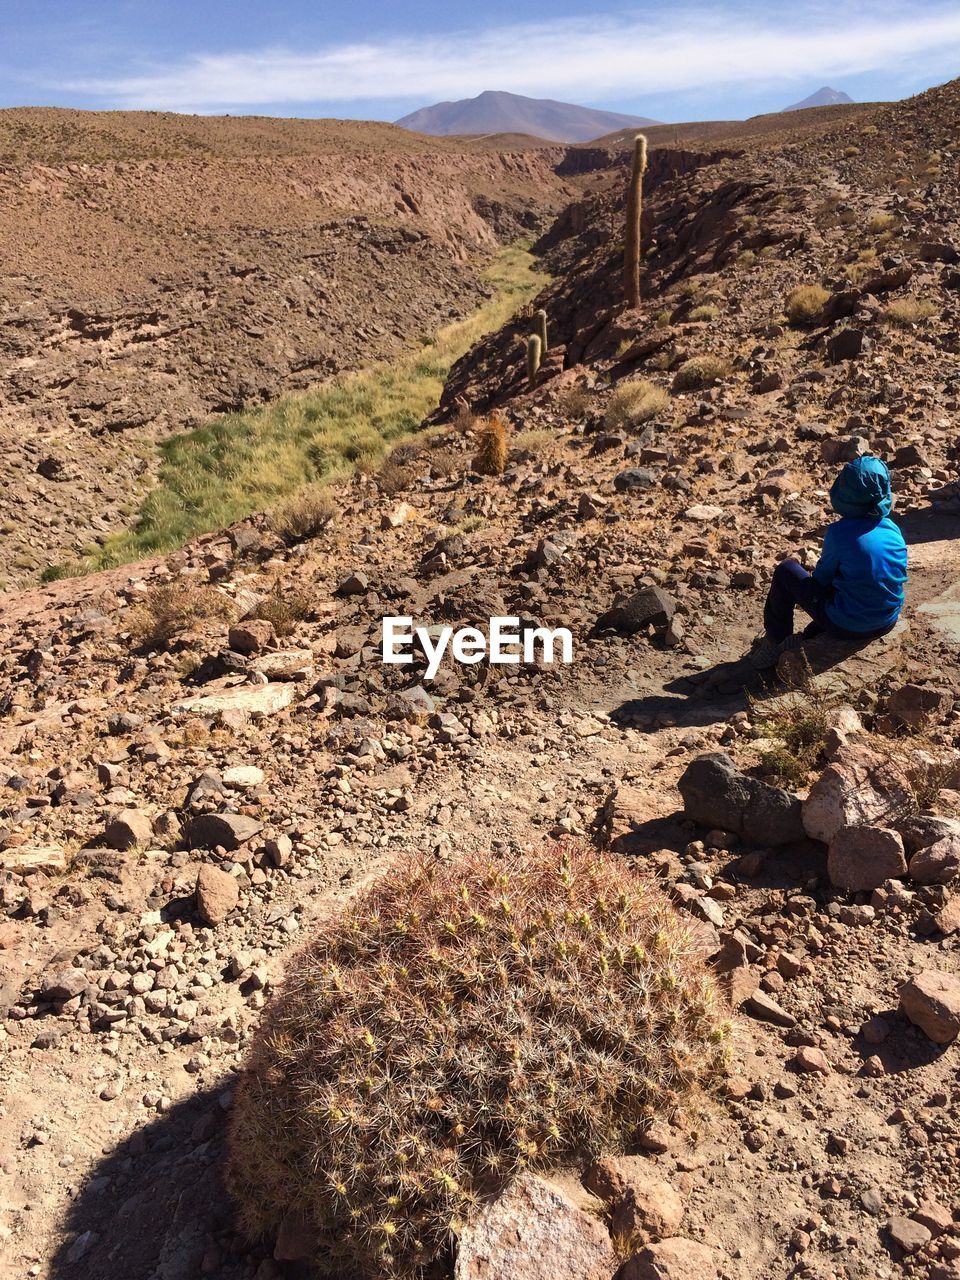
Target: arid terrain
point(202, 755)
point(157, 269)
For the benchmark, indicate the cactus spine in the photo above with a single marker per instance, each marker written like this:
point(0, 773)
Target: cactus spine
point(534, 352)
point(541, 330)
point(631, 252)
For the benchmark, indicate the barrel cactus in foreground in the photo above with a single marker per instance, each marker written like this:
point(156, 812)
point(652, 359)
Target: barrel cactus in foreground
point(457, 1023)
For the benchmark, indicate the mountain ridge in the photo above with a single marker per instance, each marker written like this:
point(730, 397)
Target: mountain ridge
point(823, 97)
point(494, 111)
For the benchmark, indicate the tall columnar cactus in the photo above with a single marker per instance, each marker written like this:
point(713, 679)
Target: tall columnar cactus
point(458, 1023)
point(541, 331)
point(631, 251)
point(534, 353)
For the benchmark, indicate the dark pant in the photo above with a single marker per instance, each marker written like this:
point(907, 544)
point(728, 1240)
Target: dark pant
point(792, 586)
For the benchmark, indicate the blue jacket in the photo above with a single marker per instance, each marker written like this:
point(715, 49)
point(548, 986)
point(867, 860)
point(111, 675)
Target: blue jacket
point(864, 559)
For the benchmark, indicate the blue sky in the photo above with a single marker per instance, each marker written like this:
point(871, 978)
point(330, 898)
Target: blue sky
point(379, 59)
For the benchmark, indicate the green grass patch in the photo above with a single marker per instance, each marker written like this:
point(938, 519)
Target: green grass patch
point(251, 461)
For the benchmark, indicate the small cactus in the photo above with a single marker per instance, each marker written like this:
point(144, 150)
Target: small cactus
point(457, 1023)
point(491, 456)
point(534, 353)
point(631, 251)
point(541, 331)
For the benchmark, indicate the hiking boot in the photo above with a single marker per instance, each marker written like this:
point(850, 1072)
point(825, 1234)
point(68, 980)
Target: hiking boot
point(763, 654)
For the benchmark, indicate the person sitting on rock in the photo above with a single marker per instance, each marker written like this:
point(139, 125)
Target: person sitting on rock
point(855, 592)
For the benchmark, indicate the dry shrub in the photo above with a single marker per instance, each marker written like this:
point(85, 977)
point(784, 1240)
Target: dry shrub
point(908, 311)
point(880, 222)
point(284, 608)
point(805, 303)
point(632, 403)
point(458, 1023)
point(172, 608)
point(699, 372)
point(707, 312)
point(796, 726)
point(304, 515)
point(491, 456)
point(392, 480)
point(575, 402)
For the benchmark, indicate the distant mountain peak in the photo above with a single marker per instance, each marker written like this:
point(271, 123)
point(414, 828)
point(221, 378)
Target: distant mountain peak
point(825, 97)
point(496, 111)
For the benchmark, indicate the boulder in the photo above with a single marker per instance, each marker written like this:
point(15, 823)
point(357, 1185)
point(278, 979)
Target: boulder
point(645, 1205)
point(859, 787)
point(634, 478)
point(931, 1001)
point(240, 703)
point(839, 305)
point(651, 607)
point(837, 449)
point(938, 863)
point(221, 830)
point(49, 858)
point(716, 794)
point(920, 704)
point(65, 984)
point(533, 1230)
point(354, 584)
point(674, 1259)
point(243, 777)
point(920, 830)
point(908, 1234)
point(217, 894)
point(284, 664)
point(947, 918)
point(862, 858)
point(848, 344)
point(250, 637)
point(127, 829)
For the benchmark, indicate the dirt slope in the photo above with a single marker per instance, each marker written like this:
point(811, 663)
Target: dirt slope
point(156, 269)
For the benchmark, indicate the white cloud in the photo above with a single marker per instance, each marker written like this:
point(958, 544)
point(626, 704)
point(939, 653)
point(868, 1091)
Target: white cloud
point(592, 59)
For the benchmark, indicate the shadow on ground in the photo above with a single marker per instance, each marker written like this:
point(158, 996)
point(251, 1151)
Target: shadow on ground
point(155, 1207)
point(690, 702)
point(928, 524)
point(904, 1047)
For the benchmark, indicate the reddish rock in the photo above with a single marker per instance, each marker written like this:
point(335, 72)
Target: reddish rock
point(936, 1217)
point(919, 704)
point(129, 829)
point(864, 857)
point(649, 1210)
point(931, 1001)
point(217, 894)
point(811, 1061)
point(947, 918)
point(251, 637)
point(676, 1259)
point(533, 1230)
point(858, 788)
point(906, 1233)
point(938, 863)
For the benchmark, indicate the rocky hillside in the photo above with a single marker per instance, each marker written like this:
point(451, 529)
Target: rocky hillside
point(157, 269)
point(206, 755)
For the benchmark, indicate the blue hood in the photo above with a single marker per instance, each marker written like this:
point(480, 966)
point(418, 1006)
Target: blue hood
point(862, 490)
